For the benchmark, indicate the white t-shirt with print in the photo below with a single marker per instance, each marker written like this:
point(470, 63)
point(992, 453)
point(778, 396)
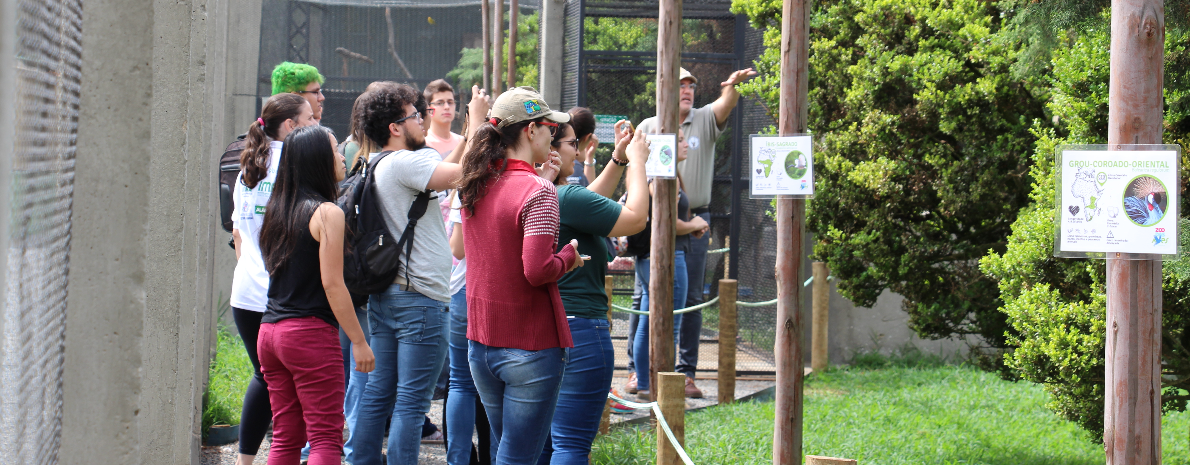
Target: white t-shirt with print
point(250, 285)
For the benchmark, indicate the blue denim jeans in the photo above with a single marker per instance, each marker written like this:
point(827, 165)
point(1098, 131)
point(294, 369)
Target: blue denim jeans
point(460, 403)
point(640, 343)
point(519, 389)
point(584, 392)
point(691, 327)
point(409, 342)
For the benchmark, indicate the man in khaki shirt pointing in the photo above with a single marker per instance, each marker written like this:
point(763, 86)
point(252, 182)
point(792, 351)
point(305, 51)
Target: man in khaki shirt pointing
point(701, 127)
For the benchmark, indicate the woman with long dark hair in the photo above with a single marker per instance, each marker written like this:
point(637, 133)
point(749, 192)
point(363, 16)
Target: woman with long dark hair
point(516, 325)
point(590, 217)
point(301, 241)
point(249, 287)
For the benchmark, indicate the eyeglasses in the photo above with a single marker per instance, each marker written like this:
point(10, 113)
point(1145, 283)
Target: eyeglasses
point(443, 103)
point(315, 91)
point(690, 86)
point(402, 120)
point(553, 127)
point(572, 142)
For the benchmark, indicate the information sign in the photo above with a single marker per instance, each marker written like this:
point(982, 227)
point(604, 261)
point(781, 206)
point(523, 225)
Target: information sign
point(782, 165)
point(663, 156)
point(1121, 201)
point(604, 127)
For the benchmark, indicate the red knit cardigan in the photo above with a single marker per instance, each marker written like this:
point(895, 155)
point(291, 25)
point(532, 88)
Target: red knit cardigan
point(512, 270)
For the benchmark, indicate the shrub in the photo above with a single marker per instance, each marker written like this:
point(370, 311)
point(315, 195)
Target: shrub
point(229, 375)
point(1057, 307)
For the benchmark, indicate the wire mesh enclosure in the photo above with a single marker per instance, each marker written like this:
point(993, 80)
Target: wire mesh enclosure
point(356, 42)
point(48, 72)
point(614, 72)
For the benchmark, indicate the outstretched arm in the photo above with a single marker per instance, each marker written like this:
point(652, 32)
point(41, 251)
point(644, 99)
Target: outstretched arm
point(730, 96)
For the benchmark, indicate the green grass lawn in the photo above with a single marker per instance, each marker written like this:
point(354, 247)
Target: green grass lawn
point(897, 415)
point(229, 375)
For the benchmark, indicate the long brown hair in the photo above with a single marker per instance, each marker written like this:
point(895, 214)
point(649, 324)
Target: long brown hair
point(254, 160)
point(485, 159)
point(305, 180)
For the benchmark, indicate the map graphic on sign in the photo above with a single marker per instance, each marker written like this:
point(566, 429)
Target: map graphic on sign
point(1085, 188)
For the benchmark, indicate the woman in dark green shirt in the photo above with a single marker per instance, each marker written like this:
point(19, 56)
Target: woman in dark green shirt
point(589, 216)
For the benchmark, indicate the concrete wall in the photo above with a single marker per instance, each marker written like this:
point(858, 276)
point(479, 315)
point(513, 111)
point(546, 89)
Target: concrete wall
point(144, 241)
point(882, 328)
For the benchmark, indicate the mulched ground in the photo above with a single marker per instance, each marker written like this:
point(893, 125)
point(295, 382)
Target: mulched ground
point(435, 454)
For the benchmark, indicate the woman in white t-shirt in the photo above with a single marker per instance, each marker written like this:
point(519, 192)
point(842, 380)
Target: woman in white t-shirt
point(249, 288)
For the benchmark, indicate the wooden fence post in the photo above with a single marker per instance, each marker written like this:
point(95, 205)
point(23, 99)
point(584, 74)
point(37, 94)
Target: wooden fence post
point(513, 11)
point(1132, 388)
point(671, 397)
point(819, 359)
point(497, 49)
point(665, 199)
point(728, 329)
point(486, 43)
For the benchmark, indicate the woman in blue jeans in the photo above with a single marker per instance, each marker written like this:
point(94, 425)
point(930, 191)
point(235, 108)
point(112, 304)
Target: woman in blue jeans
point(589, 216)
point(686, 227)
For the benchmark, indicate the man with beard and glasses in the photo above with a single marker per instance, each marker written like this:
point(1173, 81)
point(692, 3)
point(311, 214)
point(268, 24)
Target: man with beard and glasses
point(408, 320)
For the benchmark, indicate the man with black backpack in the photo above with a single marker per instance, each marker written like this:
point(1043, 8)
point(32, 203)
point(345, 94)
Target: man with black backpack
point(408, 317)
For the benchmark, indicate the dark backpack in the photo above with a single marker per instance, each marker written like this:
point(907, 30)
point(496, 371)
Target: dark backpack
point(372, 255)
point(229, 169)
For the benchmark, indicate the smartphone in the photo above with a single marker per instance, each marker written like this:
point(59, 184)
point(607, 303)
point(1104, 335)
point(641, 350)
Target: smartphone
point(585, 257)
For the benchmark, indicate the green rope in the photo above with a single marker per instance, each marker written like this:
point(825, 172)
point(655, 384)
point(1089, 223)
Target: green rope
point(725, 249)
point(697, 307)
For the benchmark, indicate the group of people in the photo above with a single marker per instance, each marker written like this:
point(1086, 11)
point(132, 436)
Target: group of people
point(502, 285)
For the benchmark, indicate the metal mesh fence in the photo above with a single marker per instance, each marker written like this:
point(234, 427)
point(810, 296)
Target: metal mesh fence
point(349, 42)
point(47, 102)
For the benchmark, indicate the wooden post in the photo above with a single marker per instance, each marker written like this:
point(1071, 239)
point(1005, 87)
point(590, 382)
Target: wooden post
point(665, 199)
point(609, 288)
point(485, 14)
point(1132, 391)
point(820, 322)
point(512, 33)
point(787, 421)
point(498, 38)
point(671, 397)
point(818, 460)
point(728, 329)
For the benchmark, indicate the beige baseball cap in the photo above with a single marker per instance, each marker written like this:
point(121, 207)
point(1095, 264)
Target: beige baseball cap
point(684, 75)
point(523, 104)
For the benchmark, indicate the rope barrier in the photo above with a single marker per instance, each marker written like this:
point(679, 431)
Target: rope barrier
point(660, 421)
point(697, 307)
point(725, 249)
point(756, 304)
point(676, 312)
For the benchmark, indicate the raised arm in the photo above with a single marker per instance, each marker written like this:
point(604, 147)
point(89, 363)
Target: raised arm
point(635, 214)
point(327, 225)
point(539, 216)
point(607, 181)
point(729, 96)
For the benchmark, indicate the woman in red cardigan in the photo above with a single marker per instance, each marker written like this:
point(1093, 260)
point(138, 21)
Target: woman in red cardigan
point(516, 325)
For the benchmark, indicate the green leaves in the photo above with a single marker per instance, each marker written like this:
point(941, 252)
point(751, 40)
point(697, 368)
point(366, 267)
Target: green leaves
point(923, 152)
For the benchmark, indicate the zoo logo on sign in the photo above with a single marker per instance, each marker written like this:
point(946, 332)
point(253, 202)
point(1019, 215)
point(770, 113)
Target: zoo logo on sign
point(1159, 236)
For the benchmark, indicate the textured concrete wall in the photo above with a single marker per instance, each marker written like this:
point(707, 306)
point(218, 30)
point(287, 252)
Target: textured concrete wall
point(553, 31)
point(882, 328)
point(141, 269)
point(8, 50)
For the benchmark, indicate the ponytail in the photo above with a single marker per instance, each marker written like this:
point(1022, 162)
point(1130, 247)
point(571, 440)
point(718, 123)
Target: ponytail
point(485, 160)
point(254, 160)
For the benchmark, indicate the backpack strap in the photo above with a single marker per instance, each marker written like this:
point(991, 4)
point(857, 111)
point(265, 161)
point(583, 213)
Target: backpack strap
point(416, 211)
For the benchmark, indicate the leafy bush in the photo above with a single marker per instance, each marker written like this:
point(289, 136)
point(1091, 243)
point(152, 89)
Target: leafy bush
point(922, 145)
point(469, 70)
point(228, 380)
point(1058, 306)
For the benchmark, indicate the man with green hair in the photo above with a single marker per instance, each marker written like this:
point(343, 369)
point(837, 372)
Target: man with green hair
point(301, 79)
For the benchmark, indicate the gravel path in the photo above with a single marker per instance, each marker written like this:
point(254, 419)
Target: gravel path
point(435, 454)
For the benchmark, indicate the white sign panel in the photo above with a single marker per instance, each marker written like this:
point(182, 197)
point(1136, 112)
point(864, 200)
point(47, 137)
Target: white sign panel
point(1118, 201)
point(782, 165)
point(663, 156)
